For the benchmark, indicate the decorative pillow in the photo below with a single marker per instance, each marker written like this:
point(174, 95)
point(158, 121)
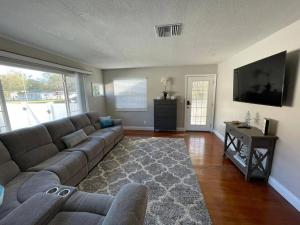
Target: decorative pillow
point(106, 121)
point(74, 138)
point(1, 194)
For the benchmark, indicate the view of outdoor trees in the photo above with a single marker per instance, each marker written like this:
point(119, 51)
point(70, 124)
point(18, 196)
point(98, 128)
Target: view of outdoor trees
point(46, 86)
point(33, 97)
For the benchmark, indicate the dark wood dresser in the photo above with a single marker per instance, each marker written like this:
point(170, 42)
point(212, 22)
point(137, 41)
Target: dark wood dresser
point(165, 115)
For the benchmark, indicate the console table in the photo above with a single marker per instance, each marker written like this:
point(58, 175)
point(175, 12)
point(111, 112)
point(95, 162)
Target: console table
point(250, 150)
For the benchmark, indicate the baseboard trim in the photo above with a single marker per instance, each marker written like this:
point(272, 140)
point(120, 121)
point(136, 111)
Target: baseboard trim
point(285, 193)
point(282, 190)
point(219, 135)
point(147, 128)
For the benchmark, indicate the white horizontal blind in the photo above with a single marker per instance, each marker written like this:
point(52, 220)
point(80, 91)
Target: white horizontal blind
point(130, 95)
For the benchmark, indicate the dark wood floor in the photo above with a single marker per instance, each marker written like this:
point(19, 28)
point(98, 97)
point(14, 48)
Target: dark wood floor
point(229, 198)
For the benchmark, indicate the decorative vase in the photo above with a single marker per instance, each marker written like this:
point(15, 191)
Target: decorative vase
point(165, 95)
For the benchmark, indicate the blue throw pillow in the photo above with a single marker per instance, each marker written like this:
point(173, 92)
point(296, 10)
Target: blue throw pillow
point(1, 194)
point(106, 121)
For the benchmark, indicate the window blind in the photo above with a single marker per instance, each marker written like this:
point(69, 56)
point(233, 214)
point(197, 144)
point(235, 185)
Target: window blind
point(130, 95)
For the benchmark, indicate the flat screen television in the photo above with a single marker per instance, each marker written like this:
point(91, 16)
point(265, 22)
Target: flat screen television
point(261, 82)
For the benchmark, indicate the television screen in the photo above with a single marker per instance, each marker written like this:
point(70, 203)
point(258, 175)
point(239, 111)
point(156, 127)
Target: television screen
point(261, 82)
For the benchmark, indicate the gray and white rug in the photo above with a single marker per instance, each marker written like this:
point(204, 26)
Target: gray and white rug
point(164, 166)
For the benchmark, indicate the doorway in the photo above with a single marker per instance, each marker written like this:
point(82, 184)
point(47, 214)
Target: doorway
point(199, 102)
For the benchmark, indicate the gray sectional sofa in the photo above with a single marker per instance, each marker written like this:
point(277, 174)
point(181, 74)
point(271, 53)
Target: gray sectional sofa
point(40, 173)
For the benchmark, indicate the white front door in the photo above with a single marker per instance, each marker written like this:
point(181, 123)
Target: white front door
point(199, 102)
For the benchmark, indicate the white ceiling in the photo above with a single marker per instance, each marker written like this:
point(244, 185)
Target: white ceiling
point(120, 33)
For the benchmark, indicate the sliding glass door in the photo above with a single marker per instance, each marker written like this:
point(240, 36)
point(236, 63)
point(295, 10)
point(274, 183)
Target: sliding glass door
point(33, 97)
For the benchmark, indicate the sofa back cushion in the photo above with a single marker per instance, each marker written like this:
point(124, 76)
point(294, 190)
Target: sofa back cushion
point(94, 118)
point(8, 167)
point(81, 121)
point(29, 146)
point(59, 129)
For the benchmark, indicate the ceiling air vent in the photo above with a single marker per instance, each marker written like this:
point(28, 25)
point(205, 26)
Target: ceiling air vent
point(168, 30)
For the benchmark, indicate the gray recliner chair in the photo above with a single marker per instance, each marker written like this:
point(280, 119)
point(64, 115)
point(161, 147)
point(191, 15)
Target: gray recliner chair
point(82, 208)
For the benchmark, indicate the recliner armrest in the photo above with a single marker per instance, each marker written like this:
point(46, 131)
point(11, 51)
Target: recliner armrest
point(128, 207)
point(117, 122)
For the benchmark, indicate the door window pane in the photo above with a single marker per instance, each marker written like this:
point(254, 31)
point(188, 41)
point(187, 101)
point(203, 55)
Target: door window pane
point(199, 102)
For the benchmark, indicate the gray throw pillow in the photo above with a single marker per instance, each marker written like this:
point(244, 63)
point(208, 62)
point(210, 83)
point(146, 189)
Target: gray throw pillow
point(75, 138)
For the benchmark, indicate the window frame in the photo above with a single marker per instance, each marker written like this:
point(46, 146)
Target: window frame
point(145, 109)
point(82, 96)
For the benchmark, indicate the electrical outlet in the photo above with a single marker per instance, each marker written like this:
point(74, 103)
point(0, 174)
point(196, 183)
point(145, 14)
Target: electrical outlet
point(145, 122)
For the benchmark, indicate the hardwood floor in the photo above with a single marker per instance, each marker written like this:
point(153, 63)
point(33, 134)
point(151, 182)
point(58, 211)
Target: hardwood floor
point(229, 198)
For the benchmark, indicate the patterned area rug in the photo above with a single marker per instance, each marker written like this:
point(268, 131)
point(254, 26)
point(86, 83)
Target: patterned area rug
point(164, 166)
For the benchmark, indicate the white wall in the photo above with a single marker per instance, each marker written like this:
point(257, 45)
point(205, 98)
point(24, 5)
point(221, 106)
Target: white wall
point(286, 164)
point(153, 75)
point(95, 103)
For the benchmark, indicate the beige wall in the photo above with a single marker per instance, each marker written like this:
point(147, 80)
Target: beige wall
point(153, 75)
point(95, 103)
point(286, 165)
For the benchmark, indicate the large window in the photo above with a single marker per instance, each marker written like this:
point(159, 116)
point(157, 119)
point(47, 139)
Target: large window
point(30, 97)
point(130, 95)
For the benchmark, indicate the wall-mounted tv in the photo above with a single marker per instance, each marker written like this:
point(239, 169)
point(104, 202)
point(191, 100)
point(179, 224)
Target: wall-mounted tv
point(261, 82)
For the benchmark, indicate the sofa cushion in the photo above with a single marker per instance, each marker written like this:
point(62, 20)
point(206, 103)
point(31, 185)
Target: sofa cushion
point(11, 200)
point(8, 168)
point(29, 146)
point(38, 182)
point(106, 134)
point(117, 122)
point(74, 138)
point(118, 130)
point(129, 206)
point(89, 202)
point(64, 164)
point(58, 129)
point(91, 147)
point(37, 210)
point(77, 218)
point(84, 208)
point(94, 118)
point(82, 121)
point(25, 185)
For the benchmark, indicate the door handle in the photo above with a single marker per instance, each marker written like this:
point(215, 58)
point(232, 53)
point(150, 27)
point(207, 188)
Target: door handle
point(188, 103)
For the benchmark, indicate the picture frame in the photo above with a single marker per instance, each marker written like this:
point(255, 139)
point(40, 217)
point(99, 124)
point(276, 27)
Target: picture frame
point(97, 89)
